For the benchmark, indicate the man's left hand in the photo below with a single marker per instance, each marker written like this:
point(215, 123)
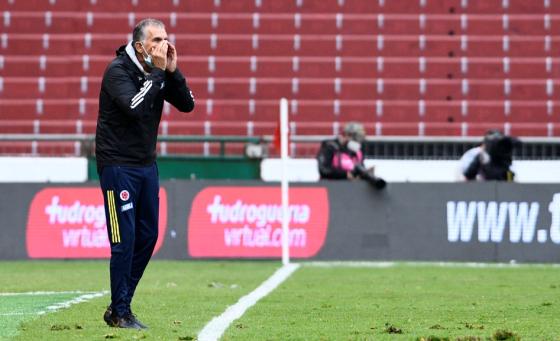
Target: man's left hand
point(171, 57)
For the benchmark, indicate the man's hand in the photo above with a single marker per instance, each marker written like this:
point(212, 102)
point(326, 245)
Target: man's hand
point(171, 57)
point(159, 55)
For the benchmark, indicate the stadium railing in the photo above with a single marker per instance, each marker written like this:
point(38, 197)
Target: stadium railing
point(378, 147)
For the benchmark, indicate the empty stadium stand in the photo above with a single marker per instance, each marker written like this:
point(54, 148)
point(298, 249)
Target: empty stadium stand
point(412, 68)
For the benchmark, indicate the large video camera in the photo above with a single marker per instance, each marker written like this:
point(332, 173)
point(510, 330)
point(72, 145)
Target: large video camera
point(361, 172)
point(495, 159)
point(500, 147)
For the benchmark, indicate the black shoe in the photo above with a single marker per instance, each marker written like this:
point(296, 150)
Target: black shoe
point(107, 316)
point(128, 321)
point(138, 323)
point(113, 321)
point(125, 322)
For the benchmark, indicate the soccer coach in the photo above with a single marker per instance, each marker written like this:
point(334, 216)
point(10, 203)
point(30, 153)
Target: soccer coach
point(134, 87)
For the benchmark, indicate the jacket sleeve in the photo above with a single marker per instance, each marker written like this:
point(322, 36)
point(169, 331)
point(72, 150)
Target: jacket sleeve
point(325, 161)
point(178, 93)
point(121, 88)
point(472, 170)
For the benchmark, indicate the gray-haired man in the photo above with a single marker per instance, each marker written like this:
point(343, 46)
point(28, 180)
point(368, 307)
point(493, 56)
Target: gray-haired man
point(133, 90)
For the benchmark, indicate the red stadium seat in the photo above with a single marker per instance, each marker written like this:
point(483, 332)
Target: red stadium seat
point(50, 87)
point(513, 7)
point(425, 67)
point(54, 66)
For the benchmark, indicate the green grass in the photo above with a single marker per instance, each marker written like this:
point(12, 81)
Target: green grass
point(364, 303)
point(16, 309)
point(176, 299)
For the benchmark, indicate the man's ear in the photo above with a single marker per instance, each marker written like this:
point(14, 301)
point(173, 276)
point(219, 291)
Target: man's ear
point(138, 47)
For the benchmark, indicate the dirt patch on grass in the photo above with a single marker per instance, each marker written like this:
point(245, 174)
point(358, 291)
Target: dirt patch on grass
point(391, 329)
point(505, 335)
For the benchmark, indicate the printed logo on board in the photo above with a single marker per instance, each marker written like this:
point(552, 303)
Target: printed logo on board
point(496, 222)
point(247, 222)
point(66, 222)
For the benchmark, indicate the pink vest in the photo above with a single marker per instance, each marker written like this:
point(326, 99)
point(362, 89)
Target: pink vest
point(346, 161)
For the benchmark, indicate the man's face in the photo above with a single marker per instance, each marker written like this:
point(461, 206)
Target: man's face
point(155, 35)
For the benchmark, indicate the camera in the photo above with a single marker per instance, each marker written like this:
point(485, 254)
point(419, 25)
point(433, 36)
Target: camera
point(499, 146)
point(495, 158)
point(361, 172)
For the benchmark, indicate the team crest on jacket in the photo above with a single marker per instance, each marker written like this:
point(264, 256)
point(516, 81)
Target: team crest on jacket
point(124, 195)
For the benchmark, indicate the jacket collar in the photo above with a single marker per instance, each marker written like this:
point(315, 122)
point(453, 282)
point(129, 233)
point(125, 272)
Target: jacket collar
point(132, 55)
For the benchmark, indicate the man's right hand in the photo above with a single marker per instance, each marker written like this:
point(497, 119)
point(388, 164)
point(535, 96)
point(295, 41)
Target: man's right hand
point(159, 55)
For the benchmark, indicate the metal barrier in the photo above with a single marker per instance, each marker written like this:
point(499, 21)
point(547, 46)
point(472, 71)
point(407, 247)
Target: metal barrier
point(88, 140)
point(378, 147)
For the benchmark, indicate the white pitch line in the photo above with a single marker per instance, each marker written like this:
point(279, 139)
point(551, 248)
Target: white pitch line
point(68, 303)
point(85, 296)
point(218, 325)
point(44, 293)
point(381, 264)
point(349, 264)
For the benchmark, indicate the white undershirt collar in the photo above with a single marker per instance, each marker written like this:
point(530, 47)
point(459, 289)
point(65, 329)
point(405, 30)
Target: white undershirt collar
point(132, 54)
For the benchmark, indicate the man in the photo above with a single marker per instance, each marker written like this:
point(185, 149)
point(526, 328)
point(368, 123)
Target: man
point(134, 87)
point(493, 160)
point(342, 157)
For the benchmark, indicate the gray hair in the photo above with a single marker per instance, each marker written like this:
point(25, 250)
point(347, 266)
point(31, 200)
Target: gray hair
point(355, 131)
point(139, 33)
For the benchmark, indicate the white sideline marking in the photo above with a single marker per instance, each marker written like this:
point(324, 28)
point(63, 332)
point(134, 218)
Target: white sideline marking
point(374, 264)
point(86, 296)
point(66, 304)
point(218, 325)
point(350, 264)
point(44, 293)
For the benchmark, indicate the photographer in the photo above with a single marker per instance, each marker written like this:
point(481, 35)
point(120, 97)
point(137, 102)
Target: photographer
point(494, 159)
point(342, 158)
